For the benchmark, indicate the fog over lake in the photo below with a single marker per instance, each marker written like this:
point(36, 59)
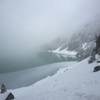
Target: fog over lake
point(27, 25)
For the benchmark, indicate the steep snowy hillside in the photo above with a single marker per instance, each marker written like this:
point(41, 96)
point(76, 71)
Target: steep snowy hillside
point(82, 42)
point(77, 82)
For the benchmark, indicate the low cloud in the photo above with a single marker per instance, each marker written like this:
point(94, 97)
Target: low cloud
point(25, 25)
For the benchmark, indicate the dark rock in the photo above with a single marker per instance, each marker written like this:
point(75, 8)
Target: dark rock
point(10, 97)
point(97, 68)
point(98, 61)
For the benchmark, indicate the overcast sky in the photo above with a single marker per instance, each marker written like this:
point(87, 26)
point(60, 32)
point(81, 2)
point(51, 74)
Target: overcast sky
point(27, 24)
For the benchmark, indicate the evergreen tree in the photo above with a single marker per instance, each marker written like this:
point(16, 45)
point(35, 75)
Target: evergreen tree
point(3, 88)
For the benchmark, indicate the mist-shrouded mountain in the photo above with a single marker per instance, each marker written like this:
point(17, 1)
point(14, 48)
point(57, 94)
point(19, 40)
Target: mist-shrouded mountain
point(80, 45)
point(77, 47)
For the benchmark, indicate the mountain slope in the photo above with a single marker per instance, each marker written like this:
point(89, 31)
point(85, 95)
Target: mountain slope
point(77, 82)
point(81, 42)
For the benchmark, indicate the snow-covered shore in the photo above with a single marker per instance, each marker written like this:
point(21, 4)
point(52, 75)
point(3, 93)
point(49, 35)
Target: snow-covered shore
point(78, 82)
point(30, 76)
point(64, 52)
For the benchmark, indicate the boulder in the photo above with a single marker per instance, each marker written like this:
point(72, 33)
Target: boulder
point(96, 69)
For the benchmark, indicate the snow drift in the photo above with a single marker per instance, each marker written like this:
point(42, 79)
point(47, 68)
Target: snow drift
point(76, 82)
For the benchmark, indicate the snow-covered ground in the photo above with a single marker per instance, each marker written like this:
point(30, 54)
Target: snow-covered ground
point(64, 52)
point(76, 82)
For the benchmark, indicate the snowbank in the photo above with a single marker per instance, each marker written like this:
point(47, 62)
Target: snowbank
point(77, 82)
point(64, 52)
